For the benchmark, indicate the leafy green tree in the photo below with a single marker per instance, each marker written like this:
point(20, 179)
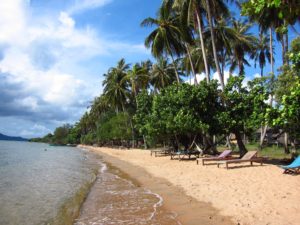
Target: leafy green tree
point(61, 134)
point(180, 113)
point(245, 108)
point(290, 112)
point(74, 135)
point(115, 127)
point(289, 74)
point(143, 112)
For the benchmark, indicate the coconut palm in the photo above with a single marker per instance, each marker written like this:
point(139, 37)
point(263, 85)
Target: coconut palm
point(138, 78)
point(162, 74)
point(116, 87)
point(191, 14)
point(241, 45)
point(215, 9)
point(261, 53)
point(165, 38)
point(99, 106)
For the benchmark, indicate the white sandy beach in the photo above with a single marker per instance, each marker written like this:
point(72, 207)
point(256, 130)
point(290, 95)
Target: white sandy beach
point(249, 195)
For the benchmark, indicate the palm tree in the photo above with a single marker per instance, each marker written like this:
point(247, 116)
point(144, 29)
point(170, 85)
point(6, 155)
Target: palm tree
point(116, 87)
point(165, 39)
point(161, 74)
point(99, 106)
point(261, 52)
point(241, 45)
point(191, 14)
point(215, 8)
point(138, 78)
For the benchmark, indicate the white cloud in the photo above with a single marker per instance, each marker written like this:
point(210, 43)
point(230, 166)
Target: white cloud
point(44, 57)
point(257, 75)
point(66, 20)
point(215, 76)
point(12, 20)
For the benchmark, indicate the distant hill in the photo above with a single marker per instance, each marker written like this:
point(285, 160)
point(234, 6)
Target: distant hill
point(8, 138)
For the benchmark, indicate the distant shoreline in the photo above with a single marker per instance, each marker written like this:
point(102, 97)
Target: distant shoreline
point(4, 137)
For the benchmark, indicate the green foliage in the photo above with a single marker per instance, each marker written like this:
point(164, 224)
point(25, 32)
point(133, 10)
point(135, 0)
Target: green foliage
point(288, 10)
point(245, 107)
point(74, 135)
point(61, 135)
point(114, 127)
point(289, 75)
point(179, 111)
point(88, 139)
point(46, 139)
point(142, 115)
point(288, 115)
point(294, 55)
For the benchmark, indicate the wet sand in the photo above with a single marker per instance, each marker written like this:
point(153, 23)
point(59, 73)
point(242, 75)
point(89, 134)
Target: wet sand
point(189, 211)
point(209, 195)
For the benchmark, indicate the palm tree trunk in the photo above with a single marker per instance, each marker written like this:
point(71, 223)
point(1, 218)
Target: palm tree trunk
point(287, 46)
point(191, 62)
point(262, 135)
point(271, 51)
point(264, 128)
point(283, 49)
point(286, 146)
point(214, 45)
point(175, 67)
point(202, 46)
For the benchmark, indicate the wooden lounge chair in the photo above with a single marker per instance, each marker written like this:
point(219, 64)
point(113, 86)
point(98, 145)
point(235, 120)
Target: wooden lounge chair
point(222, 156)
point(161, 152)
point(250, 156)
point(182, 154)
point(294, 167)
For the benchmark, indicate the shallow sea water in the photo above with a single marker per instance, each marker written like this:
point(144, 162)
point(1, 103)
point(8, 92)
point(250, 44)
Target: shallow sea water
point(41, 185)
point(115, 199)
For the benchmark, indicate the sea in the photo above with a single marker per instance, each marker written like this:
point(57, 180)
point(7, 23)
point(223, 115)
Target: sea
point(58, 185)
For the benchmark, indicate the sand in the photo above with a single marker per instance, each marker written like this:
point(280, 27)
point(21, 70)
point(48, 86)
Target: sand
point(244, 195)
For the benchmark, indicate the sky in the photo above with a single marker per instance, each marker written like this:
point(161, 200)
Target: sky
point(53, 55)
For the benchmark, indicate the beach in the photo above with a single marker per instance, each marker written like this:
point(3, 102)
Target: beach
point(209, 195)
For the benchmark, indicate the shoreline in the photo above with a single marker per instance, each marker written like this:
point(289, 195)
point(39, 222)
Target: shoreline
point(242, 195)
point(189, 211)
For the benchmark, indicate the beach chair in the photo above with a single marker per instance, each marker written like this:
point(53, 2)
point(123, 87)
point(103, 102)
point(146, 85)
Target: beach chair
point(250, 156)
point(161, 152)
point(222, 156)
point(294, 167)
point(181, 154)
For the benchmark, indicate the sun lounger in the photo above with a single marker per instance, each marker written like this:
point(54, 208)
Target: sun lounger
point(294, 167)
point(250, 156)
point(222, 156)
point(182, 154)
point(161, 152)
